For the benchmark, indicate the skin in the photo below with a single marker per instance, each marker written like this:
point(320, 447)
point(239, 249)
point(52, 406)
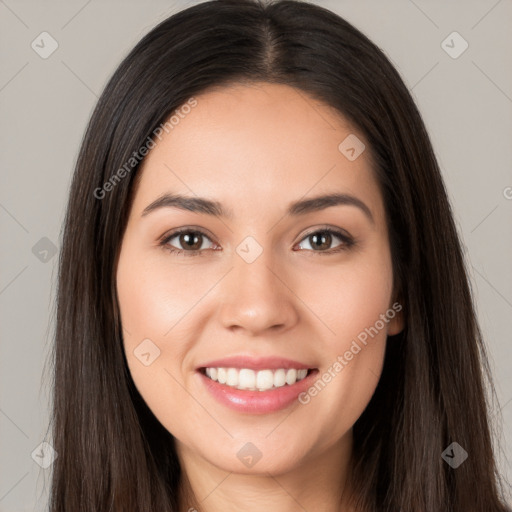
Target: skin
point(255, 149)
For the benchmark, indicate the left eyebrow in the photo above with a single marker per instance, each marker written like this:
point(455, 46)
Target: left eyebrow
point(320, 202)
point(214, 208)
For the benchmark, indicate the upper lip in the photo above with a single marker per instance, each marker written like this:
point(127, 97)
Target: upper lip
point(255, 363)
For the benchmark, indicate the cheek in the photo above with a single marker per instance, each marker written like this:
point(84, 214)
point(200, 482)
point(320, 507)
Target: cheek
point(362, 296)
point(153, 301)
point(150, 309)
point(155, 295)
point(351, 297)
point(354, 304)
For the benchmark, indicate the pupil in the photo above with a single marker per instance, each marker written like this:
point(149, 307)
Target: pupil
point(323, 240)
point(191, 241)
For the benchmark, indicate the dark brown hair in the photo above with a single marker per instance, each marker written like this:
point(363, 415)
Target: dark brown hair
point(436, 386)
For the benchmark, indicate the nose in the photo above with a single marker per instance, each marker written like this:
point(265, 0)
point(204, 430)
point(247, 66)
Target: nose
point(257, 298)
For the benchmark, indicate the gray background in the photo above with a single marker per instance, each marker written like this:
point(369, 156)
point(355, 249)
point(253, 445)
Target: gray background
point(45, 104)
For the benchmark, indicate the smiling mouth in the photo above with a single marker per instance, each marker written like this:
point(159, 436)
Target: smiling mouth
point(256, 380)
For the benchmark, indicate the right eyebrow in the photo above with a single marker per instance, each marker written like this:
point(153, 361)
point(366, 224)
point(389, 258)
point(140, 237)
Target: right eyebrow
point(193, 204)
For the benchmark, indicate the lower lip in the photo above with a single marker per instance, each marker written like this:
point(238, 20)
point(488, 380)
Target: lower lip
point(257, 402)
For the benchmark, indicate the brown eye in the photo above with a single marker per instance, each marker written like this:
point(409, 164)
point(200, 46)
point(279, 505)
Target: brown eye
point(322, 240)
point(187, 241)
point(191, 240)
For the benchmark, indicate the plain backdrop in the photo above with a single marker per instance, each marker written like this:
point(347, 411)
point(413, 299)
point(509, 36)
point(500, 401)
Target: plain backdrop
point(45, 103)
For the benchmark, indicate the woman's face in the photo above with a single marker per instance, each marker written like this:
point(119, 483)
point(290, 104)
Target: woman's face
point(266, 282)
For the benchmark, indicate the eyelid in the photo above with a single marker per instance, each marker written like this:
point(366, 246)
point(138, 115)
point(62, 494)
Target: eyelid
point(326, 227)
point(171, 233)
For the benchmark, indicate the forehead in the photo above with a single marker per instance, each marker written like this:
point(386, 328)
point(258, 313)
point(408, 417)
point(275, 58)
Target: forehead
point(257, 145)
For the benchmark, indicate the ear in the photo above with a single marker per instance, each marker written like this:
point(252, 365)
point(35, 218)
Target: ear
point(396, 323)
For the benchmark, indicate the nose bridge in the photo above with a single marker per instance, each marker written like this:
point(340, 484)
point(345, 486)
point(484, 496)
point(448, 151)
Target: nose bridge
point(257, 298)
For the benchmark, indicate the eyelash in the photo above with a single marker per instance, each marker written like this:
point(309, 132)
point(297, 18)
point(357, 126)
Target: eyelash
point(347, 242)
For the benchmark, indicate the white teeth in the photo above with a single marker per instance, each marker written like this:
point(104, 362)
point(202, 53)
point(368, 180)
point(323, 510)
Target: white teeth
point(246, 379)
point(261, 380)
point(264, 380)
point(232, 379)
point(279, 378)
point(291, 376)
point(222, 375)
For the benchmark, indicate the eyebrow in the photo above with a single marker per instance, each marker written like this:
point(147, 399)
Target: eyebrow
point(301, 207)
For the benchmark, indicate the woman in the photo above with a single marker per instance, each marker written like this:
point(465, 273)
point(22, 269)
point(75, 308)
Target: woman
point(262, 297)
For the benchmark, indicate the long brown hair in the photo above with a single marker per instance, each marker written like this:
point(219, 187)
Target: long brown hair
point(436, 387)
